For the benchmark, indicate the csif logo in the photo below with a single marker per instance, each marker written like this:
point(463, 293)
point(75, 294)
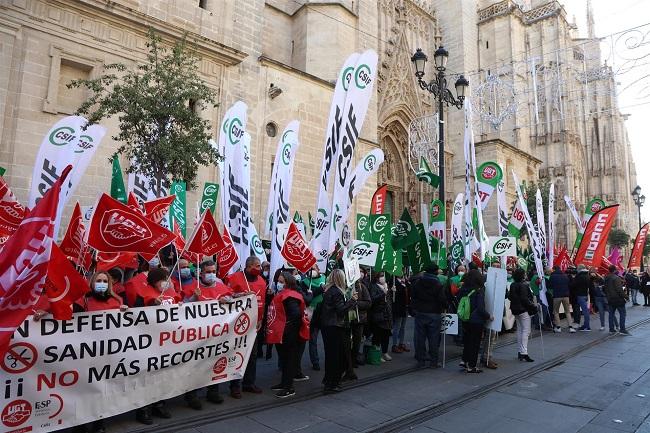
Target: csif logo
point(370, 162)
point(458, 207)
point(362, 249)
point(62, 136)
point(362, 223)
point(501, 246)
point(347, 77)
point(402, 228)
point(362, 76)
point(457, 250)
point(235, 130)
point(256, 243)
point(435, 210)
point(380, 224)
point(85, 142)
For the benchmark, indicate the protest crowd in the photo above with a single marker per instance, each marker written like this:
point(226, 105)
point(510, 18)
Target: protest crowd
point(348, 298)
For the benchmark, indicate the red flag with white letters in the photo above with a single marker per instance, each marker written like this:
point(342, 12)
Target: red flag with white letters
point(205, 239)
point(117, 228)
point(25, 258)
point(378, 200)
point(64, 285)
point(11, 211)
point(594, 240)
point(295, 250)
point(157, 208)
point(227, 257)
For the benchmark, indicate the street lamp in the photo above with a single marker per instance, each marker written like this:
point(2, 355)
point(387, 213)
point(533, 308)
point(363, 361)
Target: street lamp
point(438, 88)
point(639, 200)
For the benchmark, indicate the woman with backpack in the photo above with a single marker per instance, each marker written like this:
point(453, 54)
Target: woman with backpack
point(474, 294)
point(523, 307)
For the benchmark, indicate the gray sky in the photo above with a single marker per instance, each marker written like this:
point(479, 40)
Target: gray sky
point(613, 16)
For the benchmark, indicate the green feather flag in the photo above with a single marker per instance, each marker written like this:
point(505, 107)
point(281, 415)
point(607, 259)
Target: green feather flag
point(118, 191)
point(424, 174)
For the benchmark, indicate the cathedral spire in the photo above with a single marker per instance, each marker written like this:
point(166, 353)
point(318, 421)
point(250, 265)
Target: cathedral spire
point(591, 28)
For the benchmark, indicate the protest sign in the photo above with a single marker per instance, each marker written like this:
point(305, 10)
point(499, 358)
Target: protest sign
point(364, 252)
point(64, 373)
point(495, 295)
point(502, 246)
point(449, 324)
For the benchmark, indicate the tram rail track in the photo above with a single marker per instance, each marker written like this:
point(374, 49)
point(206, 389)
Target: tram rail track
point(398, 423)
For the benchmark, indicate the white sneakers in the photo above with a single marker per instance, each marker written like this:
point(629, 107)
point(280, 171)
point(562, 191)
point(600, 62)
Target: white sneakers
point(602, 328)
point(386, 357)
point(572, 329)
point(557, 329)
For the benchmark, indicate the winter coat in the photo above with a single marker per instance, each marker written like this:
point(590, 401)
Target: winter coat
point(613, 289)
point(334, 308)
point(632, 282)
point(521, 298)
point(582, 283)
point(645, 284)
point(363, 303)
point(428, 295)
point(400, 299)
point(559, 283)
point(381, 314)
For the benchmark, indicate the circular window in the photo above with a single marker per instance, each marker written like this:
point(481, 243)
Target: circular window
point(271, 129)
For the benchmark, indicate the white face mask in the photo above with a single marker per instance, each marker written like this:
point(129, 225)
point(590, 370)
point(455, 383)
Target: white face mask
point(101, 287)
point(298, 278)
point(461, 273)
point(210, 278)
point(165, 285)
point(279, 286)
point(382, 280)
point(265, 274)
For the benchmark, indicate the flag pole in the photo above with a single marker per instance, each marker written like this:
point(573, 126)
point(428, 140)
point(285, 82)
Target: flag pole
point(541, 334)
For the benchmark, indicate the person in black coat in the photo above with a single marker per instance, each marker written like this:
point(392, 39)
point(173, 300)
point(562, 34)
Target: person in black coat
point(473, 328)
point(381, 314)
point(429, 301)
point(400, 294)
point(523, 306)
point(334, 320)
point(582, 285)
point(645, 288)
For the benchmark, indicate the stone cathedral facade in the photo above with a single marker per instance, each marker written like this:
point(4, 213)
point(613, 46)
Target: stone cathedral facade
point(282, 58)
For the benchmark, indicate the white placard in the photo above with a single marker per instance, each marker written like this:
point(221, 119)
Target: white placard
point(352, 271)
point(495, 296)
point(501, 246)
point(365, 252)
point(449, 324)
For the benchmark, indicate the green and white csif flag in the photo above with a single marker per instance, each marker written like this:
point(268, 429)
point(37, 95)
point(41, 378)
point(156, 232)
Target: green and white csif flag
point(354, 114)
point(456, 248)
point(424, 174)
point(502, 208)
point(541, 224)
point(550, 247)
point(321, 228)
point(388, 260)
point(209, 197)
point(366, 167)
point(418, 253)
point(312, 223)
point(593, 206)
point(178, 209)
point(405, 232)
point(488, 176)
point(437, 233)
point(118, 190)
point(363, 227)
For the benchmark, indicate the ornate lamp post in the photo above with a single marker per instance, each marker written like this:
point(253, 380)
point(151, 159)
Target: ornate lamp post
point(438, 88)
point(639, 200)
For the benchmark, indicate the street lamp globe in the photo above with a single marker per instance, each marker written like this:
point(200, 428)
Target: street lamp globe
point(419, 59)
point(641, 200)
point(461, 86)
point(636, 192)
point(440, 58)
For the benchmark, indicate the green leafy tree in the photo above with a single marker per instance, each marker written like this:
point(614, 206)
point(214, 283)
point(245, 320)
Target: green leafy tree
point(158, 105)
point(531, 189)
point(618, 238)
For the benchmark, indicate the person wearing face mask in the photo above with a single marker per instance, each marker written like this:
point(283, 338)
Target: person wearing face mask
point(138, 283)
point(381, 317)
point(250, 280)
point(210, 288)
point(159, 290)
point(101, 296)
point(313, 286)
point(266, 271)
point(183, 280)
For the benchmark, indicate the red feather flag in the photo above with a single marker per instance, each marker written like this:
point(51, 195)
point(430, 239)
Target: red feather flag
point(116, 228)
point(594, 240)
point(11, 211)
point(25, 259)
point(295, 250)
point(73, 244)
point(378, 200)
point(637, 250)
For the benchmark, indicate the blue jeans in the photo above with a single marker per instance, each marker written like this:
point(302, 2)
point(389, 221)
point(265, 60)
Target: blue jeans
point(313, 345)
point(584, 306)
point(633, 294)
point(603, 307)
point(612, 317)
point(427, 329)
point(399, 324)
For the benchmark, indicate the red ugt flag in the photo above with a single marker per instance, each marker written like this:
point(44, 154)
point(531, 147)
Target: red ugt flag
point(156, 209)
point(206, 239)
point(378, 200)
point(64, 285)
point(25, 258)
point(116, 228)
point(295, 250)
point(227, 257)
point(11, 211)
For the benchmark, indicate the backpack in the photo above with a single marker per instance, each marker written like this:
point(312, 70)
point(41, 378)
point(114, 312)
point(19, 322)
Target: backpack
point(465, 307)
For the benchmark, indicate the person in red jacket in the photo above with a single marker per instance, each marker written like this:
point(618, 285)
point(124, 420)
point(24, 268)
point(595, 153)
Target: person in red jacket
point(139, 282)
point(211, 288)
point(183, 280)
point(250, 280)
point(288, 328)
point(101, 296)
